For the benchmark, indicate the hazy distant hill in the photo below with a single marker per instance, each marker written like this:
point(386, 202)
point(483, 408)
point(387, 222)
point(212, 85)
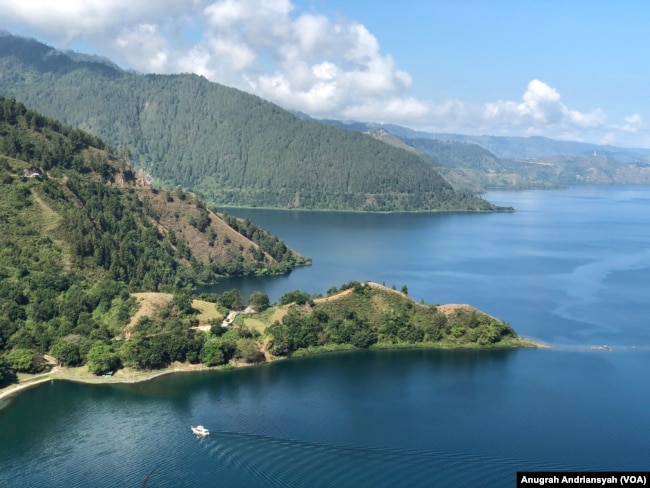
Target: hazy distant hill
point(468, 166)
point(477, 163)
point(537, 147)
point(506, 147)
point(471, 167)
point(232, 147)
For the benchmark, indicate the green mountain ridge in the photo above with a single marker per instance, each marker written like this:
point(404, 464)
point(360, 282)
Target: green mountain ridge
point(234, 148)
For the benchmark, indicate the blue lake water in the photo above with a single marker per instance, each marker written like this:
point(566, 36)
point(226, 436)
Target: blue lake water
point(570, 267)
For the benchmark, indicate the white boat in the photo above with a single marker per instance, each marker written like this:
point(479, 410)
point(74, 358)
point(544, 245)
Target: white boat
point(200, 430)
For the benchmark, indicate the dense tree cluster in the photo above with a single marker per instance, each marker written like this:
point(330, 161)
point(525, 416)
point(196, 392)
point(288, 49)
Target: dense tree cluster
point(230, 299)
point(259, 301)
point(110, 230)
point(7, 375)
point(371, 315)
point(298, 297)
point(58, 145)
point(267, 242)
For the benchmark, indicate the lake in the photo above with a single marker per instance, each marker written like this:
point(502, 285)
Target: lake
point(570, 267)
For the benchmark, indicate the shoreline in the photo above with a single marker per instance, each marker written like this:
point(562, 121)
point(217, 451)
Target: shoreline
point(127, 375)
point(122, 376)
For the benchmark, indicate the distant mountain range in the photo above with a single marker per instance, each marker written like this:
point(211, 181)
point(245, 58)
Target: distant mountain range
point(232, 147)
point(506, 147)
point(477, 163)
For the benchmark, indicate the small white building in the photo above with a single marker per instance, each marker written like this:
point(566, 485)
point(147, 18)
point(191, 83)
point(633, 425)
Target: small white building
point(32, 172)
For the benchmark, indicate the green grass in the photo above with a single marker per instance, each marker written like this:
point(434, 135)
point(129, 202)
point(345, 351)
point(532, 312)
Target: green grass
point(207, 311)
point(50, 221)
point(261, 321)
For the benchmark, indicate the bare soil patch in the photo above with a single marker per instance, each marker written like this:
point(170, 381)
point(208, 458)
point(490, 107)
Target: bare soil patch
point(451, 308)
point(148, 303)
point(334, 297)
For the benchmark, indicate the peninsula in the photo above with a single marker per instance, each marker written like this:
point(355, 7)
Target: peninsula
point(354, 316)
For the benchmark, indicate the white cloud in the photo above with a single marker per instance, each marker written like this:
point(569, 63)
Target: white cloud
point(311, 32)
point(594, 119)
point(300, 60)
point(541, 105)
point(90, 20)
point(633, 123)
point(540, 111)
point(325, 71)
point(197, 60)
point(237, 55)
point(224, 14)
point(608, 138)
point(144, 45)
point(392, 110)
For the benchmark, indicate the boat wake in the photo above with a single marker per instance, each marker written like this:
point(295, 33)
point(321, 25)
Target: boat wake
point(598, 347)
point(275, 461)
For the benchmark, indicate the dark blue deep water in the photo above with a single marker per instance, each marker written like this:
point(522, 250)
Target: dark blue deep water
point(570, 267)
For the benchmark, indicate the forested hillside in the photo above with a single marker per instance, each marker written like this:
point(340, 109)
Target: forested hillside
point(234, 148)
point(78, 234)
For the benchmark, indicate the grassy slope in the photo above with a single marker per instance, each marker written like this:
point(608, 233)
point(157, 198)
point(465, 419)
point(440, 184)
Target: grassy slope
point(176, 214)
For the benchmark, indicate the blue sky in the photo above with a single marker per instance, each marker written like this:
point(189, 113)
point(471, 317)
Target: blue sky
point(572, 70)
